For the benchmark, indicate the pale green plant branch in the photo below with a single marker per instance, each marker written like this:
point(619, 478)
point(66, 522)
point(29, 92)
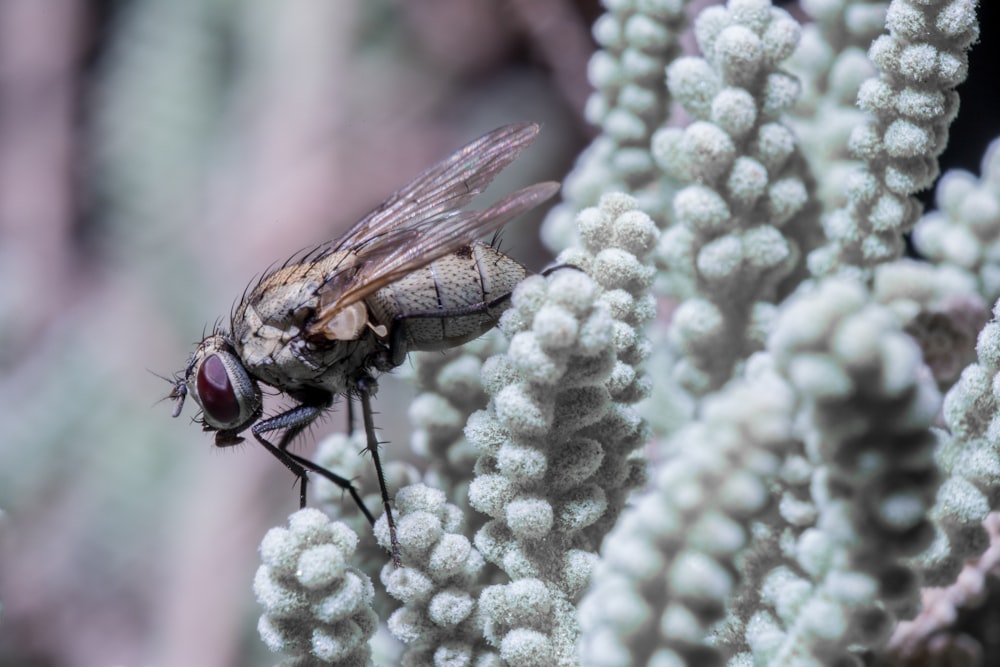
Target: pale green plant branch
point(921, 58)
point(814, 486)
point(743, 221)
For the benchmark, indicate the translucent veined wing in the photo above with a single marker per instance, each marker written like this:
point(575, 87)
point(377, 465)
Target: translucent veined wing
point(446, 186)
point(421, 222)
point(404, 250)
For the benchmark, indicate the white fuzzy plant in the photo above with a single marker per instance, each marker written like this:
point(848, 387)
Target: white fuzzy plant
point(815, 482)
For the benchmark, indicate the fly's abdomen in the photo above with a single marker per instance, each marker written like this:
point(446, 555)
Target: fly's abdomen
point(452, 300)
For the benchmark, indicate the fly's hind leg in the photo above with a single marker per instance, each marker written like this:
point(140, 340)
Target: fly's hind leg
point(558, 267)
point(293, 421)
point(397, 332)
point(397, 348)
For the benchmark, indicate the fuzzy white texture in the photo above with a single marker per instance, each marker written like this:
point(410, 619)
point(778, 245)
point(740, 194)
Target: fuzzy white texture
point(557, 441)
point(450, 389)
point(969, 454)
point(964, 231)
point(666, 575)
point(941, 306)
point(797, 505)
point(910, 106)
point(344, 456)
point(438, 584)
point(629, 102)
point(831, 65)
point(866, 401)
point(855, 494)
point(740, 218)
point(316, 607)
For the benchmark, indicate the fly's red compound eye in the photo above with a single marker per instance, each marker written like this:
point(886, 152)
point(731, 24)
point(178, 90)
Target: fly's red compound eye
point(218, 398)
point(216, 379)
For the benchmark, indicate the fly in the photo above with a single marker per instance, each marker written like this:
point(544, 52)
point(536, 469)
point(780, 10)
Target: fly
point(410, 275)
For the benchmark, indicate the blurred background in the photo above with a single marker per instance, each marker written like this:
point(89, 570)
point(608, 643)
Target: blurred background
point(155, 155)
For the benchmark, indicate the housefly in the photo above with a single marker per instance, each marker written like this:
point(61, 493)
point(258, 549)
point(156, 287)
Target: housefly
point(410, 275)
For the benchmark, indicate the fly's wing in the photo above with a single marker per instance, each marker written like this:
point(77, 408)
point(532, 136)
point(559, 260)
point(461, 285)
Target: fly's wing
point(422, 222)
point(447, 186)
point(403, 249)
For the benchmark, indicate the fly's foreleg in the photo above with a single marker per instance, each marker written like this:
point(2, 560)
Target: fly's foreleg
point(293, 422)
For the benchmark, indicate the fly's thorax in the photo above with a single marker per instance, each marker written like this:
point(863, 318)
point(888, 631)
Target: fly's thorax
point(270, 331)
point(274, 316)
point(229, 397)
point(280, 303)
point(452, 300)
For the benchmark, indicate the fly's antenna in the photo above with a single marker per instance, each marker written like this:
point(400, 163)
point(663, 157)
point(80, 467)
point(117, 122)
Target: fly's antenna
point(178, 391)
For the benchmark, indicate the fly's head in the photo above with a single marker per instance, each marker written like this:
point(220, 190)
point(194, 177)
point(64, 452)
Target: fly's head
point(229, 398)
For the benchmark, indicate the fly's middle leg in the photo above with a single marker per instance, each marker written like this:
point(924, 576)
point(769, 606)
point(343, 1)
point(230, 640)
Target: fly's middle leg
point(365, 387)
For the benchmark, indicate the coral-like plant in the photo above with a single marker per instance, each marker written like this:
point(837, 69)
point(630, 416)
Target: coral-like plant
point(316, 606)
point(814, 480)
